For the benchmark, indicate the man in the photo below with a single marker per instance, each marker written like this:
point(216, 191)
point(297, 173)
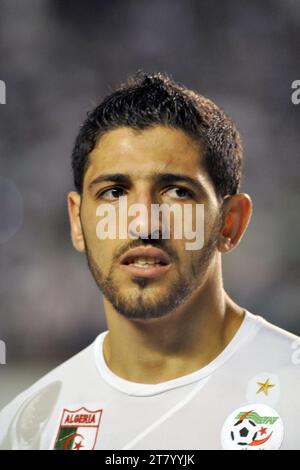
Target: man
point(181, 366)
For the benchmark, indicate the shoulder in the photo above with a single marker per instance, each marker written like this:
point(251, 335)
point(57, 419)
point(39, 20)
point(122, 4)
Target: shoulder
point(274, 352)
point(35, 404)
point(282, 344)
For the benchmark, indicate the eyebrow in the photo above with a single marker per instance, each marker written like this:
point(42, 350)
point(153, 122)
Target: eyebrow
point(159, 178)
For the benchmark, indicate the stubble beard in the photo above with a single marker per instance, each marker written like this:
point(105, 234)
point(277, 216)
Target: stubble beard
point(139, 303)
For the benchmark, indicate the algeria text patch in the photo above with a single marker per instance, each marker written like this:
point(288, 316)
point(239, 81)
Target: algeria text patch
point(78, 429)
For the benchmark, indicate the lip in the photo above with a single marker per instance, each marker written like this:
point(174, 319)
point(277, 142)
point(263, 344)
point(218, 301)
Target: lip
point(145, 252)
point(149, 272)
point(156, 271)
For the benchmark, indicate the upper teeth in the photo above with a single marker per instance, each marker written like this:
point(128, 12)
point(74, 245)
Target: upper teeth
point(143, 261)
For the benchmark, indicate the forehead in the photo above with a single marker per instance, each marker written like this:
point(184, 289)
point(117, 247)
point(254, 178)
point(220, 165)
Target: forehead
point(159, 149)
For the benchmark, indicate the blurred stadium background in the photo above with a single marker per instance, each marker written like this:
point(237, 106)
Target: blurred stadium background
point(58, 59)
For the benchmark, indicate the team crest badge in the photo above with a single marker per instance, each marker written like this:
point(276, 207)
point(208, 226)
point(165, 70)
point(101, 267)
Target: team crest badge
point(78, 429)
point(252, 427)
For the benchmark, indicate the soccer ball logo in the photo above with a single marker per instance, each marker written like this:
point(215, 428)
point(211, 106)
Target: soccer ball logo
point(252, 427)
point(245, 432)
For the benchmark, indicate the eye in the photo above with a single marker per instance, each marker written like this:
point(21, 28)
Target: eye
point(111, 194)
point(179, 193)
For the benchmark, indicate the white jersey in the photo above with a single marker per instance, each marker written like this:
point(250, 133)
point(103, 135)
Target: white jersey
point(246, 398)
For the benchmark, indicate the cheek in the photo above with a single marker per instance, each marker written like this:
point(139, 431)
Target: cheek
point(103, 256)
point(184, 256)
point(95, 230)
point(89, 220)
point(211, 218)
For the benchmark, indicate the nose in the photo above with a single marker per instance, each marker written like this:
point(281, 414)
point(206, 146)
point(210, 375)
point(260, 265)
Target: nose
point(144, 225)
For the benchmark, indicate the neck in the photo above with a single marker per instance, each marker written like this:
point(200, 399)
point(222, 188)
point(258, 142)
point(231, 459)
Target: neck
point(180, 343)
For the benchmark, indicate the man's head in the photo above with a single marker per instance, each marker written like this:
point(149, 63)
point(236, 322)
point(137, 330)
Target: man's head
point(159, 143)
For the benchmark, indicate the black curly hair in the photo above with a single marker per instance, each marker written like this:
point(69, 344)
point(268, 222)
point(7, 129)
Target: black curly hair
point(148, 100)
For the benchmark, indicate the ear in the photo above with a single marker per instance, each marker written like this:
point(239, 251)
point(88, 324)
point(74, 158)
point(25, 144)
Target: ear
point(74, 199)
point(237, 210)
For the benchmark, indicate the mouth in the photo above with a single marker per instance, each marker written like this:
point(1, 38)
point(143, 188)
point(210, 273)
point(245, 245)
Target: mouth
point(146, 262)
